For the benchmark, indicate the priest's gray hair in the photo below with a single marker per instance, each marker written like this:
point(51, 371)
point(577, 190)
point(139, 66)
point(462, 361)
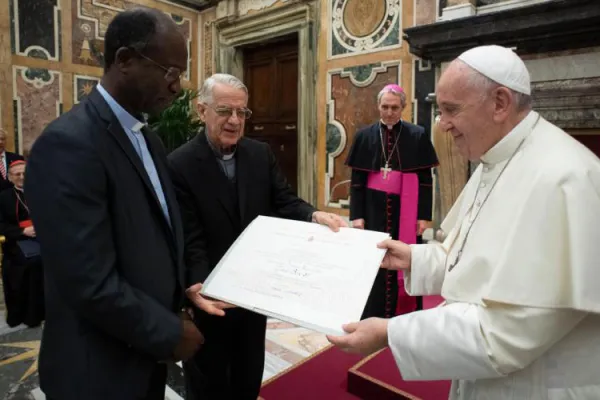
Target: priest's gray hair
point(205, 95)
point(383, 91)
point(486, 85)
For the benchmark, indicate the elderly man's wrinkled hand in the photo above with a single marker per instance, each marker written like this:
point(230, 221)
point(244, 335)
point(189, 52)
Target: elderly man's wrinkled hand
point(364, 337)
point(333, 221)
point(398, 255)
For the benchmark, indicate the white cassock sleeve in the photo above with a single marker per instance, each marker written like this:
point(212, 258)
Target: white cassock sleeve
point(467, 341)
point(427, 270)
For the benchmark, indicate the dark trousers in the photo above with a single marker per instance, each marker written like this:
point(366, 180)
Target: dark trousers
point(23, 282)
point(156, 388)
point(158, 382)
point(230, 364)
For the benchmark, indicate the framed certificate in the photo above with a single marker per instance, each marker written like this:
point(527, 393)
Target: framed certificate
point(299, 272)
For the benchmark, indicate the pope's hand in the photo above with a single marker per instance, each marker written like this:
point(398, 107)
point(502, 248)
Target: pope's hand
point(398, 255)
point(206, 304)
point(333, 221)
point(364, 337)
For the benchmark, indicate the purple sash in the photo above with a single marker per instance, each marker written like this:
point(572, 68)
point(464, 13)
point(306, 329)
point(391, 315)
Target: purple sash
point(407, 187)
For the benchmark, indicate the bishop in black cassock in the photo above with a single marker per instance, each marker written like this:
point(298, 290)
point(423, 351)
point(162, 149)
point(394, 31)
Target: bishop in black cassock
point(407, 148)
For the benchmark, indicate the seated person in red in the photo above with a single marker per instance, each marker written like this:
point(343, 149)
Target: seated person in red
point(22, 274)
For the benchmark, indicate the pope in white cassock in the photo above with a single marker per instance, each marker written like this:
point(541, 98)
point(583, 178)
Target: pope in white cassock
point(520, 267)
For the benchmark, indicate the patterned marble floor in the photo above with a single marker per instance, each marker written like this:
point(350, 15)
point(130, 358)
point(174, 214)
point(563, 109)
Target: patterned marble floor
point(286, 345)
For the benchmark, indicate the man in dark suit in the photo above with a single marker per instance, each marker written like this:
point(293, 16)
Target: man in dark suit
point(6, 158)
point(224, 181)
point(110, 229)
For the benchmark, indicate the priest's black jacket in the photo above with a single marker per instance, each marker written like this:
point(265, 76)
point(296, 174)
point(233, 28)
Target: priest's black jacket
point(216, 209)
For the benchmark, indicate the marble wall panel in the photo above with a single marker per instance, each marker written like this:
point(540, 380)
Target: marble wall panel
point(37, 101)
point(363, 26)
point(83, 86)
point(90, 21)
point(351, 105)
point(35, 28)
point(54, 48)
point(425, 12)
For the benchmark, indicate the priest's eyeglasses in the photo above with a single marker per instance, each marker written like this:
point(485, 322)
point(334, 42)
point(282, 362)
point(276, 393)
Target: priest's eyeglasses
point(222, 111)
point(172, 73)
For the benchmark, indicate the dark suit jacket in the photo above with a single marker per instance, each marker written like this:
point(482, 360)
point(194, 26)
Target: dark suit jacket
point(10, 157)
point(113, 265)
point(209, 212)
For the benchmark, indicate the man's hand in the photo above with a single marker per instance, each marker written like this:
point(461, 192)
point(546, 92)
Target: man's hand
point(358, 223)
point(190, 341)
point(422, 226)
point(29, 231)
point(364, 337)
point(333, 221)
point(210, 306)
point(398, 255)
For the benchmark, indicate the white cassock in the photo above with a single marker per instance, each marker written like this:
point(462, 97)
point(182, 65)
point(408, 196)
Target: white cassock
point(522, 313)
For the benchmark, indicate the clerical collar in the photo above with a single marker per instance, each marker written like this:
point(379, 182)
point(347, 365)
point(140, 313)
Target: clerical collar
point(509, 143)
point(127, 120)
point(218, 153)
point(395, 128)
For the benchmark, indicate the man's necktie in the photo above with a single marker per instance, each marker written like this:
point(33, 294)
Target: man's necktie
point(2, 167)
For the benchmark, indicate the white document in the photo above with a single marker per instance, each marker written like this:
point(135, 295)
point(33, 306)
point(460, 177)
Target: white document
point(299, 272)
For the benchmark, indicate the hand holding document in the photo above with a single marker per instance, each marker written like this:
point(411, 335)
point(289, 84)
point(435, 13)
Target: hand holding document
point(208, 305)
point(299, 272)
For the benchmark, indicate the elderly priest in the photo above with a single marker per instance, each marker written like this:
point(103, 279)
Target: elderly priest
point(519, 268)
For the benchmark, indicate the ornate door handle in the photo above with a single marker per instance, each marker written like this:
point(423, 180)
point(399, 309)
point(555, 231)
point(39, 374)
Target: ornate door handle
point(290, 127)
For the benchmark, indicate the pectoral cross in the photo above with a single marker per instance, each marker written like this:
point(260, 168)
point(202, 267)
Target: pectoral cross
point(385, 170)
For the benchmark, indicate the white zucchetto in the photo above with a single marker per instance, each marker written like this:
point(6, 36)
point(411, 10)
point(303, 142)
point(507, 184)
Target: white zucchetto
point(500, 64)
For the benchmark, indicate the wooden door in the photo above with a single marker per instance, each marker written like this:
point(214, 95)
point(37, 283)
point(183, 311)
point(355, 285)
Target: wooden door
point(271, 74)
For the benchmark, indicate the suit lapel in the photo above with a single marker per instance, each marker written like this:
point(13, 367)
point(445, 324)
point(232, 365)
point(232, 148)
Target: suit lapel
point(170, 197)
point(214, 176)
point(118, 134)
point(121, 137)
point(165, 180)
